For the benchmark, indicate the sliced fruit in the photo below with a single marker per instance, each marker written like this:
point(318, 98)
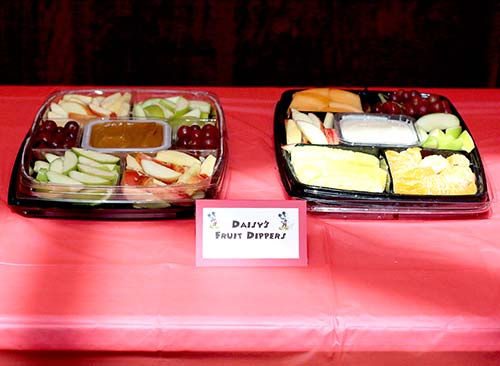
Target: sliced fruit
point(181, 107)
point(133, 164)
point(85, 99)
point(312, 133)
point(203, 106)
point(97, 156)
point(453, 131)
point(176, 157)
point(69, 162)
point(95, 164)
point(59, 178)
point(467, 141)
point(57, 165)
point(41, 176)
point(51, 157)
point(88, 178)
point(207, 166)
point(440, 121)
point(159, 171)
point(106, 174)
point(138, 111)
point(74, 107)
point(98, 110)
point(154, 110)
point(56, 108)
point(39, 165)
point(293, 134)
point(328, 121)
point(345, 97)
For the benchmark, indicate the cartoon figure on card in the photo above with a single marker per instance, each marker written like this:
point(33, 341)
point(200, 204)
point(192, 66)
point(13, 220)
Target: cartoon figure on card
point(213, 220)
point(284, 221)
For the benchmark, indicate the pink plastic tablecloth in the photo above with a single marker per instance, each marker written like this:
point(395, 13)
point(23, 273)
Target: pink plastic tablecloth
point(374, 292)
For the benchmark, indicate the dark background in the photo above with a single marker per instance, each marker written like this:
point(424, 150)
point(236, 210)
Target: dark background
point(250, 43)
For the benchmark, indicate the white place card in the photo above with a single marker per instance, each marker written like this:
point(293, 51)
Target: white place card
point(251, 233)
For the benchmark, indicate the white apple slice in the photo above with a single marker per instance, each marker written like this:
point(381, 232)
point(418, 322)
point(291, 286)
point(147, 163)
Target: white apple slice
point(440, 121)
point(74, 107)
point(207, 166)
point(315, 120)
point(312, 133)
point(159, 171)
point(293, 134)
point(300, 116)
point(56, 108)
point(124, 109)
point(191, 175)
point(111, 99)
point(176, 157)
point(98, 110)
point(133, 164)
point(51, 157)
point(328, 121)
point(85, 99)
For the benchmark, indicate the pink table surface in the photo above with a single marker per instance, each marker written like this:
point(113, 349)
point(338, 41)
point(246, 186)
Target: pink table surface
point(416, 287)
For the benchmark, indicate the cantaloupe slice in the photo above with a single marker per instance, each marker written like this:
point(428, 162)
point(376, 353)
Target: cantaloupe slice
point(326, 100)
point(345, 97)
point(309, 102)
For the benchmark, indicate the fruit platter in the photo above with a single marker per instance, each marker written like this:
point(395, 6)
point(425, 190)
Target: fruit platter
point(121, 154)
point(378, 154)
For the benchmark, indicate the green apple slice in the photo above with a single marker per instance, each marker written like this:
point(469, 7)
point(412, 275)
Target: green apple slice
point(154, 110)
point(41, 175)
point(138, 111)
point(181, 107)
point(431, 142)
point(40, 164)
point(453, 131)
point(57, 165)
point(150, 101)
point(196, 113)
point(97, 156)
point(51, 157)
point(59, 178)
point(69, 162)
point(203, 106)
point(106, 174)
point(467, 142)
point(170, 105)
point(88, 178)
point(95, 164)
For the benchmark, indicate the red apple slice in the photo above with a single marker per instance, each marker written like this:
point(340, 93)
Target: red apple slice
point(74, 107)
point(98, 110)
point(312, 133)
point(159, 171)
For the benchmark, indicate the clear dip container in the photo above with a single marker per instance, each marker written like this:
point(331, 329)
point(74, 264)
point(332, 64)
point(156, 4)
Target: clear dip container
point(376, 129)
